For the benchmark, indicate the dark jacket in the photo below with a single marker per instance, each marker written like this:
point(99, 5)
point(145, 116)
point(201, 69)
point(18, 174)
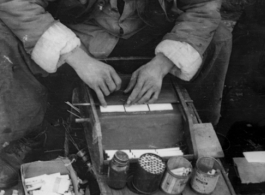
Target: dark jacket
point(28, 19)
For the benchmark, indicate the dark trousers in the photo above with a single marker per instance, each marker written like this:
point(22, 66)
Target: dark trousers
point(23, 99)
point(243, 98)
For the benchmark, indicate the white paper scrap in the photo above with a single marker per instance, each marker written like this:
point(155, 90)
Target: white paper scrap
point(112, 108)
point(137, 108)
point(182, 171)
point(168, 149)
point(160, 107)
point(33, 180)
point(258, 157)
point(138, 153)
point(170, 153)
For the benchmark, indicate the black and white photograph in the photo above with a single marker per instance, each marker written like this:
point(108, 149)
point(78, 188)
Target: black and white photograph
point(132, 97)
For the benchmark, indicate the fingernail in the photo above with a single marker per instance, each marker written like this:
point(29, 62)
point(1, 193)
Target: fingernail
point(128, 102)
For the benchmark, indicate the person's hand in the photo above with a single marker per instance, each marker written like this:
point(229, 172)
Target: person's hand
point(146, 82)
point(99, 76)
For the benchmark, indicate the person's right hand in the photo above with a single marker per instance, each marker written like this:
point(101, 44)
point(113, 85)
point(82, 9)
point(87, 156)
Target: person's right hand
point(99, 76)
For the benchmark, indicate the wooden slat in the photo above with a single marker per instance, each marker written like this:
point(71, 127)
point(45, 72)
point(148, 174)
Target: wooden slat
point(92, 128)
point(208, 143)
point(188, 124)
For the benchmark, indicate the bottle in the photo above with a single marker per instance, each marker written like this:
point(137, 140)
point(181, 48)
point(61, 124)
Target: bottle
point(118, 170)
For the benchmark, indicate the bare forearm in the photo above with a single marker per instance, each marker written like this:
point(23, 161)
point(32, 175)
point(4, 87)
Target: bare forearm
point(163, 63)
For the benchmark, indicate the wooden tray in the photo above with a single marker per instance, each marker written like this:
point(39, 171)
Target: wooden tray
point(99, 136)
point(139, 130)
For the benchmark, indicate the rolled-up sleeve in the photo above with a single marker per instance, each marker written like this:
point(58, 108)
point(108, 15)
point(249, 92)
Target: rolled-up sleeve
point(43, 37)
point(56, 41)
point(193, 31)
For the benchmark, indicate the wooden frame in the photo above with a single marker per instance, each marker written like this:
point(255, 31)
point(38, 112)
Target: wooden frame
point(93, 129)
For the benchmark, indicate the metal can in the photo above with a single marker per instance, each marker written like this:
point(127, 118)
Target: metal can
point(205, 178)
point(149, 173)
point(118, 170)
point(173, 183)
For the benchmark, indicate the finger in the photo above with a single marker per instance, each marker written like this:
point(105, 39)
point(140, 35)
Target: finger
point(154, 97)
point(104, 89)
point(143, 91)
point(101, 97)
point(132, 82)
point(137, 89)
point(116, 79)
point(111, 85)
point(146, 97)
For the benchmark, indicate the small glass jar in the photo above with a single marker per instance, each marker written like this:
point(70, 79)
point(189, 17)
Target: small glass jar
point(118, 170)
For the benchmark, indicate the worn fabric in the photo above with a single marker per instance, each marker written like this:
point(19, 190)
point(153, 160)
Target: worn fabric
point(29, 20)
point(245, 82)
point(206, 88)
point(22, 97)
point(186, 59)
point(54, 43)
point(100, 25)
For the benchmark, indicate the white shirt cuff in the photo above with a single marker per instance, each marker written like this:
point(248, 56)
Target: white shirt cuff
point(186, 59)
point(55, 41)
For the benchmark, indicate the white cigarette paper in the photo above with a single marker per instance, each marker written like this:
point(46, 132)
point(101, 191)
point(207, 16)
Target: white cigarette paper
point(160, 107)
point(112, 108)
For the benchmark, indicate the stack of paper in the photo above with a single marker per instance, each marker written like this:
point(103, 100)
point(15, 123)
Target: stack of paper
point(251, 169)
point(54, 184)
point(137, 108)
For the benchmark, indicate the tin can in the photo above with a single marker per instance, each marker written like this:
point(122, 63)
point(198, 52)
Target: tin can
point(173, 183)
point(206, 175)
point(149, 173)
point(118, 170)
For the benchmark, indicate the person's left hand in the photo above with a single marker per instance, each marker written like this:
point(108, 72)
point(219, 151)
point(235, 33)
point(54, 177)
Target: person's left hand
point(146, 82)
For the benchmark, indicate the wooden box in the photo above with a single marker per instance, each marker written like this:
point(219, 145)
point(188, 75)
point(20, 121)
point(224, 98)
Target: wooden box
point(137, 130)
point(146, 130)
